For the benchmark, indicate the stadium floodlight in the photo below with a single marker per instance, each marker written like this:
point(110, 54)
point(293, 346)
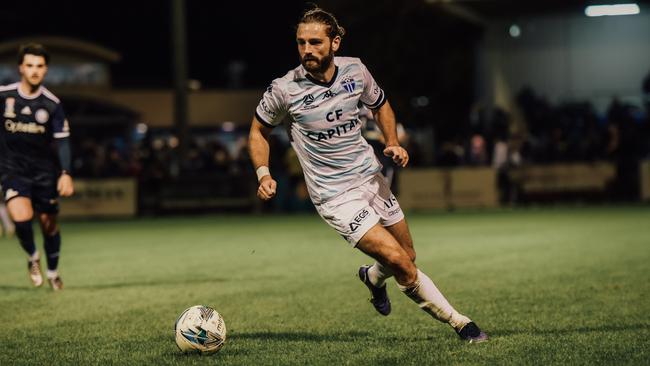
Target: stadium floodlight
point(617, 9)
point(514, 31)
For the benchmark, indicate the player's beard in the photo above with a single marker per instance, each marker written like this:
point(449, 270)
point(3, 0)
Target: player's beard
point(34, 82)
point(321, 65)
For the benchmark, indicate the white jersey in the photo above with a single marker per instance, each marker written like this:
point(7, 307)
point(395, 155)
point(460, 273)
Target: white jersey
point(325, 130)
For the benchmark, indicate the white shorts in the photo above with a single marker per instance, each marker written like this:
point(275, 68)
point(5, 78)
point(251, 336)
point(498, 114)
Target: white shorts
point(357, 210)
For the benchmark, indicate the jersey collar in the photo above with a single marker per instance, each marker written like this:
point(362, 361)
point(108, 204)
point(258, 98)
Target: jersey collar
point(33, 96)
point(317, 82)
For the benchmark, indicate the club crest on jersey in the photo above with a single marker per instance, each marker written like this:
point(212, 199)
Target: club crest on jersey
point(348, 84)
point(9, 108)
point(41, 116)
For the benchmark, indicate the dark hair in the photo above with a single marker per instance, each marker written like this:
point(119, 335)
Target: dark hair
point(32, 49)
point(318, 15)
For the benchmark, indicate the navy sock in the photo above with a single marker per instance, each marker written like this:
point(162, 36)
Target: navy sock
point(52, 248)
point(25, 234)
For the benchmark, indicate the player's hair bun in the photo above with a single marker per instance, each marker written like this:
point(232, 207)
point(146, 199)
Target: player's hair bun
point(318, 15)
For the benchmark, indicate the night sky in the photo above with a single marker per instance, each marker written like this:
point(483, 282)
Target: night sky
point(218, 33)
point(412, 48)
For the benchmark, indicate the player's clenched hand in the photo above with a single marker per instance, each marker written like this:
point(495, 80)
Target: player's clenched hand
point(398, 153)
point(65, 186)
point(266, 190)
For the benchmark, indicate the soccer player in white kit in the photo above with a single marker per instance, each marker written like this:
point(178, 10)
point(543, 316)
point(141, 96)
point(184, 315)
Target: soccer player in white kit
point(321, 99)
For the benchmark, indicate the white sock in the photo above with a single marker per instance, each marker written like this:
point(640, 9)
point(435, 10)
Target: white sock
point(52, 274)
point(377, 274)
point(431, 300)
point(34, 256)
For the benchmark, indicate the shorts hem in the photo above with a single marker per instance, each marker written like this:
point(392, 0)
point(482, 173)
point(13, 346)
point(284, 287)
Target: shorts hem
point(393, 221)
point(16, 196)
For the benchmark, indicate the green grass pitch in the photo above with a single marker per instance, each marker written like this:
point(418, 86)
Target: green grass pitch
point(550, 286)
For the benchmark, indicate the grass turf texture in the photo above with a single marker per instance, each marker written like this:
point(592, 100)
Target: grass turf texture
point(550, 286)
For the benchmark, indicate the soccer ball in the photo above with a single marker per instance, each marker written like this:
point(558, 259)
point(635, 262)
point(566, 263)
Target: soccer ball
point(200, 329)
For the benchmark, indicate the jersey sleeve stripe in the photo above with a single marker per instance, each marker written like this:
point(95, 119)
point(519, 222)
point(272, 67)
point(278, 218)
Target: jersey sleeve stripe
point(379, 102)
point(49, 94)
point(262, 121)
point(9, 87)
point(60, 135)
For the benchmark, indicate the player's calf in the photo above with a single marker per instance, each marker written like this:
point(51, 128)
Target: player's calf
point(425, 293)
point(25, 234)
point(52, 244)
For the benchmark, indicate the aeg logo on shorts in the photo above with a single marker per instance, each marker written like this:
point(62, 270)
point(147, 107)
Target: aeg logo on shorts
point(358, 219)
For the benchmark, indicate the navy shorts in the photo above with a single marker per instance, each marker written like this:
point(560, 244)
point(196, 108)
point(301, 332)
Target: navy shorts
point(40, 189)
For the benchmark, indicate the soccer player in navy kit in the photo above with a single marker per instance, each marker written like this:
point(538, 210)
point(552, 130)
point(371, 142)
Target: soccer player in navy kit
point(35, 160)
point(321, 98)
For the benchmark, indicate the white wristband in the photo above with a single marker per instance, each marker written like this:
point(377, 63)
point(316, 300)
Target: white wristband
point(262, 171)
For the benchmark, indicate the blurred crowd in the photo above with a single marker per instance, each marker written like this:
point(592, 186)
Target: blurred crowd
point(158, 157)
point(544, 133)
point(547, 134)
point(539, 133)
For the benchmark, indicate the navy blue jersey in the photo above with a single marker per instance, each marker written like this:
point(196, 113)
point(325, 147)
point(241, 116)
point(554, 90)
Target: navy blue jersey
point(30, 124)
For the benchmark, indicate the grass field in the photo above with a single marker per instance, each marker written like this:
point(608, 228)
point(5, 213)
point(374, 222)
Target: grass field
point(550, 286)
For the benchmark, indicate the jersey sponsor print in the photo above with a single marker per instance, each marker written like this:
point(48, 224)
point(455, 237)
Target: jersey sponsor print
point(29, 125)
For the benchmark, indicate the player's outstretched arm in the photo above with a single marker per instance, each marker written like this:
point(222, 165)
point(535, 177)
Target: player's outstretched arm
point(385, 118)
point(258, 149)
point(64, 185)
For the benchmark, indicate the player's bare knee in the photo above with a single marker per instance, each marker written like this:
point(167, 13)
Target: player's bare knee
point(51, 230)
point(400, 262)
point(20, 209)
point(49, 225)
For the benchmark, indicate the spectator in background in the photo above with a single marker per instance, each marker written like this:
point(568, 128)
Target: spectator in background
point(646, 126)
point(452, 154)
point(219, 158)
point(624, 148)
point(241, 160)
point(375, 138)
point(116, 165)
point(195, 159)
point(278, 163)
point(478, 155)
point(299, 196)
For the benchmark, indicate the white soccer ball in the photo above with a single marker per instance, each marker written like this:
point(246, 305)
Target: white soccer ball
point(200, 329)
